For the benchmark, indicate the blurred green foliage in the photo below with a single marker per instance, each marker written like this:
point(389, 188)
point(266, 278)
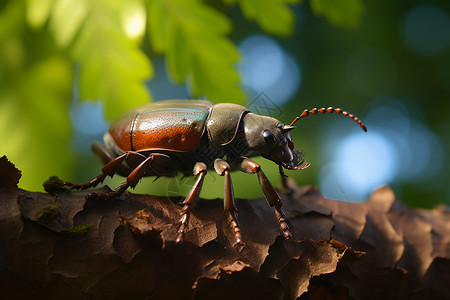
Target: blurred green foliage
point(55, 51)
point(192, 36)
point(35, 92)
point(47, 45)
point(274, 17)
point(345, 13)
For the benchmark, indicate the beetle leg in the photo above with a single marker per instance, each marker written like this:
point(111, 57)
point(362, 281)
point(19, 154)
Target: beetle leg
point(101, 152)
point(106, 156)
point(132, 180)
point(284, 181)
point(200, 170)
point(108, 170)
point(223, 169)
point(112, 167)
point(283, 177)
point(273, 199)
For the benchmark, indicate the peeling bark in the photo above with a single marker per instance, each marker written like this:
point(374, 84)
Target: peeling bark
point(59, 245)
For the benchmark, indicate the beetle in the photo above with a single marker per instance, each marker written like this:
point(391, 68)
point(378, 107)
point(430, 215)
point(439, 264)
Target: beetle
point(193, 136)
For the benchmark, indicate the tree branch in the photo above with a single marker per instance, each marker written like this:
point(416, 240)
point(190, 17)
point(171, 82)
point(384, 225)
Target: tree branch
point(61, 245)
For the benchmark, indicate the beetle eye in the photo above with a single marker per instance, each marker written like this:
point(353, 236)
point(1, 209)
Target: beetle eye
point(269, 137)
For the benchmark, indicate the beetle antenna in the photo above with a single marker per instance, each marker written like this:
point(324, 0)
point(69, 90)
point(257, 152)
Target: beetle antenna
point(330, 110)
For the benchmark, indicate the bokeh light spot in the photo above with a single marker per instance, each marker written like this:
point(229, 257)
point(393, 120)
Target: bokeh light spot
point(87, 117)
point(426, 30)
point(133, 18)
point(88, 124)
point(161, 86)
point(360, 165)
point(266, 67)
point(396, 148)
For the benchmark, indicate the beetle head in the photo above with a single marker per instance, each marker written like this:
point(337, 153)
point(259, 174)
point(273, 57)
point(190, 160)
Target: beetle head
point(271, 139)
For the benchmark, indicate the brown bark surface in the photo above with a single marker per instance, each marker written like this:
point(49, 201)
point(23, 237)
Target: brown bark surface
point(61, 246)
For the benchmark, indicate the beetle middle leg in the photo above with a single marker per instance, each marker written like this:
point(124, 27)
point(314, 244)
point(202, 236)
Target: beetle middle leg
point(223, 169)
point(273, 199)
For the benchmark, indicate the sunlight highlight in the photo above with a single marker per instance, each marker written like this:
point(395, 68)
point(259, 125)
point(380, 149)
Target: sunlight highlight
point(133, 19)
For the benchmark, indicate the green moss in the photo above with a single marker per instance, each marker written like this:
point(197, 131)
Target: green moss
point(54, 185)
point(48, 213)
point(78, 230)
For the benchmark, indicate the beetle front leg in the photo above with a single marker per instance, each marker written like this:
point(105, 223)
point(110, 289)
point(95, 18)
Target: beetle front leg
point(200, 170)
point(273, 199)
point(284, 182)
point(223, 169)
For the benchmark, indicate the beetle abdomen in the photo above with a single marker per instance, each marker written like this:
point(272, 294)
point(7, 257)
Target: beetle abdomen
point(171, 125)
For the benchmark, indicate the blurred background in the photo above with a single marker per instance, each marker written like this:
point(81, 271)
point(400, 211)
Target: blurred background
point(62, 80)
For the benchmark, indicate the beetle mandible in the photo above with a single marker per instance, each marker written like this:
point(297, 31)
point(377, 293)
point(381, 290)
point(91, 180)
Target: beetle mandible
point(193, 136)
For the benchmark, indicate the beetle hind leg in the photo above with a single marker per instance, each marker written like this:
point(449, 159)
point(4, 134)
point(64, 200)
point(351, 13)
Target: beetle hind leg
point(132, 180)
point(108, 170)
point(106, 156)
point(200, 170)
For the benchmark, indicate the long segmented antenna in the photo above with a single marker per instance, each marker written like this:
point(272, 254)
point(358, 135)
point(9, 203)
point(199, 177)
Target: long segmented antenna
point(330, 110)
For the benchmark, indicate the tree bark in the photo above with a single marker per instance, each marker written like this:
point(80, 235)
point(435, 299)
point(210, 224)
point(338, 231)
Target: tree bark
point(61, 246)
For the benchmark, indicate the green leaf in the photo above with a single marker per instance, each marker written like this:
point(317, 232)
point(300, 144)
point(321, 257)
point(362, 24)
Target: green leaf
point(193, 37)
point(67, 17)
point(160, 27)
point(38, 12)
point(12, 51)
point(35, 85)
point(345, 13)
point(35, 122)
point(274, 17)
point(112, 67)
